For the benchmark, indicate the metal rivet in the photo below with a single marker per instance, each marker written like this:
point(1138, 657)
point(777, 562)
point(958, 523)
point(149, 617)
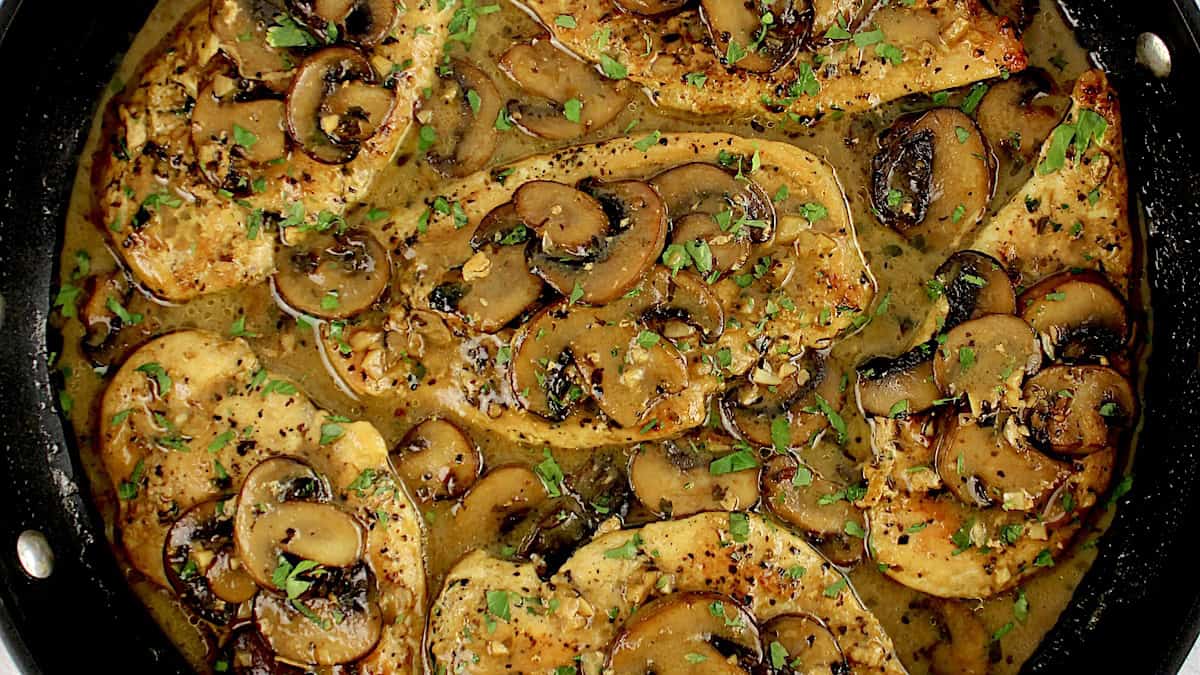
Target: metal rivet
point(35, 555)
point(1152, 52)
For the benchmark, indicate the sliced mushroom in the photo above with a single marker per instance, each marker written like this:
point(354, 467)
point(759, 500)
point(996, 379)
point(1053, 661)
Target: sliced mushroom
point(201, 562)
point(461, 112)
point(495, 285)
point(103, 324)
point(691, 301)
point(339, 623)
point(1080, 316)
point(543, 376)
point(701, 230)
point(334, 104)
point(1019, 113)
point(312, 531)
point(273, 519)
point(571, 223)
point(739, 207)
point(1079, 410)
point(333, 275)
point(242, 26)
point(591, 495)
point(674, 633)
point(987, 359)
point(232, 136)
point(576, 99)
point(504, 496)
point(651, 7)
point(437, 460)
point(788, 394)
point(974, 285)
point(363, 22)
point(898, 386)
point(932, 178)
point(681, 478)
point(800, 495)
point(637, 230)
point(247, 653)
point(760, 37)
point(626, 376)
point(995, 465)
point(802, 644)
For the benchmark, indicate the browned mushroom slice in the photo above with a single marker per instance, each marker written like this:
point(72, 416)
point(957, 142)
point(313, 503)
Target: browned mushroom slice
point(543, 376)
point(680, 478)
point(626, 373)
point(761, 36)
point(651, 7)
point(932, 178)
point(340, 625)
point(273, 519)
point(674, 633)
point(458, 119)
point(200, 561)
point(553, 532)
point(243, 28)
point(974, 285)
point(637, 225)
point(571, 223)
point(437, 460)
point(577, 99)
point(246, 652)
point(495, 285)
point(799, 495)
point(785, 398)
point(1018, 114)
point(333, 276)
point(691, 301)
point(1081, 316)
point(502, 496)
point(796, 643)
point(321, 533)
point(995, 465)
point(334, 104)
point(739, 208)
point(1079, 409)
point(104, 293)
point(898, 386)
point(700, 231)
point(230, 138)
point(364, 22)
point(987, 359)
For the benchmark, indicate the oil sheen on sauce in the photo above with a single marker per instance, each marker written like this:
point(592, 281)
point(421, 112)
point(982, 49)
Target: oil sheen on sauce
point(290, 350)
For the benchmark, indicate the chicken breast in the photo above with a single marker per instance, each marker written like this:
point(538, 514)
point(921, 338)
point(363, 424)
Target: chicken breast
point(497, 616)
point(1074, 217)
point(922, 46)
point(182, 235)
point(190, 414)
point(929, 540)
point(1074, 212)
point(805, 285)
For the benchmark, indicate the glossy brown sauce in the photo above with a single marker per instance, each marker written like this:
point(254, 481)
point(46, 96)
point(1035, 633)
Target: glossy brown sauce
point(290, 350)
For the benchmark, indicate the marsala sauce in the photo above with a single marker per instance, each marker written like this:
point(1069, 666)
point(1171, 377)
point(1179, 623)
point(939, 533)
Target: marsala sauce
point(287, 349)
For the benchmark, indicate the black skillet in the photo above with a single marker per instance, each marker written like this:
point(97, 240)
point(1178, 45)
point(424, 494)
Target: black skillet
point(1138, 610)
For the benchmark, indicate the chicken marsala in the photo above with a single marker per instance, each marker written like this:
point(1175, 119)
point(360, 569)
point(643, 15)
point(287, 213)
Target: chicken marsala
point(615, 336)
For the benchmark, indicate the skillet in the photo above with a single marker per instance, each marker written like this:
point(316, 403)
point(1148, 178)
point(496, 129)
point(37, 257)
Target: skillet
point(1137, 610)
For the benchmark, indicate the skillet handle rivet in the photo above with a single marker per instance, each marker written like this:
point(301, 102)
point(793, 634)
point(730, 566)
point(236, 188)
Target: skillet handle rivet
point(1153, 53)
point(34, 554)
